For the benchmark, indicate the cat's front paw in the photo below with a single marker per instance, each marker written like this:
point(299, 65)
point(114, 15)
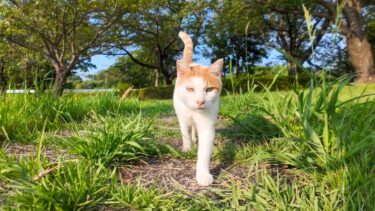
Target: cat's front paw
point(204, 179)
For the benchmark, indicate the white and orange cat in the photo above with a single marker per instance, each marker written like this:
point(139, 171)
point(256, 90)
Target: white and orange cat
point(196, 102)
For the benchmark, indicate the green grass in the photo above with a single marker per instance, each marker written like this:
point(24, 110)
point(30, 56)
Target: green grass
point(115, 139)
point(311, 149)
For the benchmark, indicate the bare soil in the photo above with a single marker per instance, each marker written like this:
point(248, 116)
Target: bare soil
point(165, 172)
point(179, 174)
point(28, 150)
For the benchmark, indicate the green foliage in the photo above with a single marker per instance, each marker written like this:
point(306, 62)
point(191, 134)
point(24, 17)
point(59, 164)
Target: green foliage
point(303, 149)
point(20, 68)
point(161, 92)
point(115, 140)
point(124, 71)
point(135, 196)
point(263, 77)
point(319, 136)
point(309, 148)
point(153, 28)
point(64, 33)
point(371, 34)
point(234, 38)
point(71, 187)
point(73, 82)
point(22, 116)
point(257, 83)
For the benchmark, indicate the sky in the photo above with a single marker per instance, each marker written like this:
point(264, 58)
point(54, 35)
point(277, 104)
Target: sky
point(102, 62)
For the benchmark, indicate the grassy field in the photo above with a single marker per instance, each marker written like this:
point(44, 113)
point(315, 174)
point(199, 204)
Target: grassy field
point(311, 149)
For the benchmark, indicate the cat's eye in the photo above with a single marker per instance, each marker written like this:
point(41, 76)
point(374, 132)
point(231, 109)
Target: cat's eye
point(210, 89)
point(189, 89)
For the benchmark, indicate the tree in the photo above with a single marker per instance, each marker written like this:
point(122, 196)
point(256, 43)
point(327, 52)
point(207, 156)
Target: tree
point(293, 38)
point(227, 38)
point(348, 18)
point(125, 71)
point(3, 78)
point(73, 81)
point(332, 56)
point(20, 68)
point(64, 32)
point(154, 32)
point(285, 29)
point(371, 33)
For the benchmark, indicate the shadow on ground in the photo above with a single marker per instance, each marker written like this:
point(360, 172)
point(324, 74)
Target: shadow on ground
point(245, 129)
point(176, 173)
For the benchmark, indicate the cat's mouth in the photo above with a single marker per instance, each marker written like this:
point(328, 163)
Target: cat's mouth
point(200, 108)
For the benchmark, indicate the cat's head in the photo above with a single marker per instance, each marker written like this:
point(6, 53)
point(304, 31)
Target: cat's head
point(198, 86)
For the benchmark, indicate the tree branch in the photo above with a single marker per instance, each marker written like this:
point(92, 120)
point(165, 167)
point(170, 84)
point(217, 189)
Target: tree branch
point(135, 60)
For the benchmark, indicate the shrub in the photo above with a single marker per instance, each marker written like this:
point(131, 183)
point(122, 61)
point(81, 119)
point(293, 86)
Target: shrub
point(122, 87)
point(162, 92)
point(244, 83)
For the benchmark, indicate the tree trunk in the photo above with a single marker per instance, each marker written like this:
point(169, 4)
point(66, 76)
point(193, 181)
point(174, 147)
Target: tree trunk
point(361, 59)
point(359, 48)
point(3, 81)
point(156, 78)
point(167, 80)
point(60, 80)
point(292, 69)
point(166, 75)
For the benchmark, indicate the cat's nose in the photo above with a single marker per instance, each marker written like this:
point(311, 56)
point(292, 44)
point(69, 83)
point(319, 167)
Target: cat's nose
point(200, 102)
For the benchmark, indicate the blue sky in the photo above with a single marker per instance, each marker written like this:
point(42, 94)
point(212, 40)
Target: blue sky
point(102, 62)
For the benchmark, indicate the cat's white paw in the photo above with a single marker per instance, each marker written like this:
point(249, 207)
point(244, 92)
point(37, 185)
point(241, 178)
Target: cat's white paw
point(186, 148)
point(204, 179)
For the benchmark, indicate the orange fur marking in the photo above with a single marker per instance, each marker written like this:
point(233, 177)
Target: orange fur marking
point(188, 71)
point(188, 49)
point(203, 72)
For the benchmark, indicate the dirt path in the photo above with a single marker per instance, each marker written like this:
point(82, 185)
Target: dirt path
point(29, 150)
point(179, 174)
point(165, 172)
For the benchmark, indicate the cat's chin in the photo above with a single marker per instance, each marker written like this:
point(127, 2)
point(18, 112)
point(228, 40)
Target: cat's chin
point(200, 108)
point(197, 108)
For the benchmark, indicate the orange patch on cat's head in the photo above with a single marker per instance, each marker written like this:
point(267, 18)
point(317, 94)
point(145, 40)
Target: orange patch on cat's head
point(195, 70)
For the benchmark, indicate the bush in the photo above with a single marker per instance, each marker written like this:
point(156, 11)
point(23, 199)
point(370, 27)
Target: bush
point(239, 85)
point(162, 92)
point(122, 87)
point(245, 83)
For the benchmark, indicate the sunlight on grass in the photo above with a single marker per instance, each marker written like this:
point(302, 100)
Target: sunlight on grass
point(303, 149)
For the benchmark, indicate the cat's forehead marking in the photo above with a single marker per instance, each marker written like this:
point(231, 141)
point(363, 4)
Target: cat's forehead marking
point(203, 72)
point(197, 82)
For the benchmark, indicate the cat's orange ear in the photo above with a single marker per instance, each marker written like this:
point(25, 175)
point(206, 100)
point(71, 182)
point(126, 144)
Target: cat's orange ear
point(216, 67)
point(182, 67)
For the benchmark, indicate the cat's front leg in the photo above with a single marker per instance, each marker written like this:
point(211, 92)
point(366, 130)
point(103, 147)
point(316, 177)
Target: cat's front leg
point(206, 135)
point(186, 136)
point(194, 137)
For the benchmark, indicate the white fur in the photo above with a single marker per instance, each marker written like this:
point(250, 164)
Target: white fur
point(202, 120)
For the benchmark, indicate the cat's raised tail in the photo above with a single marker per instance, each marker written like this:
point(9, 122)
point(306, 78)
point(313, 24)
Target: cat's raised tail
point(188, 49)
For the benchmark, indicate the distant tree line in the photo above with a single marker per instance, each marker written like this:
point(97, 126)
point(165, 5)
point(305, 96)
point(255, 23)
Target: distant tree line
point(49, 40)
